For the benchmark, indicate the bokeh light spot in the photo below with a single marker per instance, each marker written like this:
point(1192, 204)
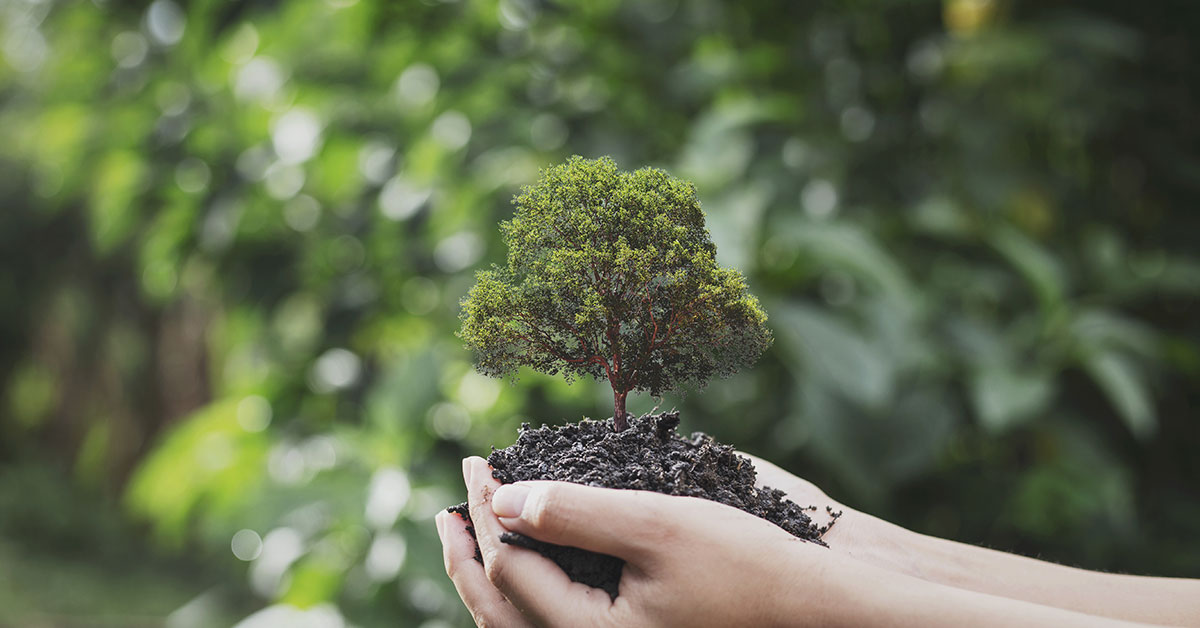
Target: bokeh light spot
point(375, 161)
point(417, 85)
point(547, 132)
point(449, 421)
point(387, 495)
point(401, 199)
point(25, 48)
point(246, 545)
point(254, 413)
point(857, 123)
point(458, 251)
point(819, 198)
point(385, 557)
point(242, 45)
point(296, 136)
point(260, 80)
point(165, 22)
point(302, 213)
point(283, 181)
point(192, 175)
point(478, 393)
point(452, 129)
point(129, 49)
point(280, 548)
point(335, 369)
point(796, 153)
point(420, 295)
point(426, 595)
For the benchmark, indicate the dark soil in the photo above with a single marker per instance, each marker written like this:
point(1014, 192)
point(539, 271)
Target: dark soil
point(649, 456)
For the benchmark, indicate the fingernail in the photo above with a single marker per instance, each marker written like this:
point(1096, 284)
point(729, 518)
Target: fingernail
point(467, 470)
point(509, 500)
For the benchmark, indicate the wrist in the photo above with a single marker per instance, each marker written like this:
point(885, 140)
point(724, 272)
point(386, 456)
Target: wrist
point(802, 590)
point(830, 589)
point(876, 542)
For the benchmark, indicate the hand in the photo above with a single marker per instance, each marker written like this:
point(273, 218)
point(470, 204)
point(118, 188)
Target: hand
point(855, 534)
point(803, 493)
point(888, 546)
point(487, 604)
point(695, 562)
point(689, 561)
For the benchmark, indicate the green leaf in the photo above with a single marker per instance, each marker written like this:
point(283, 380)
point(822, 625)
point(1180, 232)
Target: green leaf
point(1004, 397)
point(208, 457)
point(118, 183)
point(1037, 266)
point(1101, 329)
point(833, 353)
point(1125, 389)
point(850, 248)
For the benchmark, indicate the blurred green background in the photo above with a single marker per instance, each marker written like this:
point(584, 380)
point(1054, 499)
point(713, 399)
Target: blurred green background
point(235, 235)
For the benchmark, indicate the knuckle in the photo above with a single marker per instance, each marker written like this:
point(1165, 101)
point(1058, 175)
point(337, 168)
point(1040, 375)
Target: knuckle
point(487, 615)
point(548, 511)
point(655, 526)
point(493, 568)
point(544, 509)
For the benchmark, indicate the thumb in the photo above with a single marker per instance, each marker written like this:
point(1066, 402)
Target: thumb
point(622, 523)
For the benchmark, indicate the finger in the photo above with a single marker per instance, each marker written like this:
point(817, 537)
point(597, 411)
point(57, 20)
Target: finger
point(480, 486)
point(534, 584)
point(631, 525)
point(487, 605)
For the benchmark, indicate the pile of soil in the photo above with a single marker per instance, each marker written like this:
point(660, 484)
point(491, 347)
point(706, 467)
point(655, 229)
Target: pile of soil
point(650, 456)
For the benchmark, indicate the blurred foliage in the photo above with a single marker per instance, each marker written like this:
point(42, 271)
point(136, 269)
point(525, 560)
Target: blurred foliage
point(236, 235)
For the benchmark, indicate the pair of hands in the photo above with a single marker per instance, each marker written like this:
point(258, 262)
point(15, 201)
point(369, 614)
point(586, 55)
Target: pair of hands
point(694, 562)
point(688, 561)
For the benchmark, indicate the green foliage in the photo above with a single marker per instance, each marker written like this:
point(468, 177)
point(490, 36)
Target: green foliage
point(612, 274)
point(236, 236)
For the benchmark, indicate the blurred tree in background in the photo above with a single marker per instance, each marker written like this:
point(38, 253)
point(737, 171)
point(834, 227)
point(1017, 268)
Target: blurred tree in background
point(235, 237)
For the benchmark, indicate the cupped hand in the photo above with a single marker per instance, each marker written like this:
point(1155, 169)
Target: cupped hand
point(805, 493)
point(688, 561)
point(854, 534)
point(693, 562)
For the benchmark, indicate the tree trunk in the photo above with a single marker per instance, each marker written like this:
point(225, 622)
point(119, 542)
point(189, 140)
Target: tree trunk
point(619, 422)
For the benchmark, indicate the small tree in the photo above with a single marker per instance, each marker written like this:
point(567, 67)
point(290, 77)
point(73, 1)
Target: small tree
point(612, 274)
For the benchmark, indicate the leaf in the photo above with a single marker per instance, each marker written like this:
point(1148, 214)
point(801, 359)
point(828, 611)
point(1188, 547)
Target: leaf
point(852, 249)
point(1125, 389)
point(1003, 397)
point(114, 214)
point(941, 217)
point(735, 219)
point(835, 354)
point(719, 147)
point(1102, 329)
point(1037, 266)
point(875, 450)
point(208, 457)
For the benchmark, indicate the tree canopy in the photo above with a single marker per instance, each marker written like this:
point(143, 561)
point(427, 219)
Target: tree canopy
point(612, 274)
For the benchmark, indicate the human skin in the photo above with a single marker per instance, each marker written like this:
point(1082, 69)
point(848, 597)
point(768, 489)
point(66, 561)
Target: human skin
point(1163, 601)
point(689, 562)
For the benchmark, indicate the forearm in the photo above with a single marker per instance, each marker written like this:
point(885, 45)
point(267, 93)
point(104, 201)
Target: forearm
point(883, 598)
point(1167, 601)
